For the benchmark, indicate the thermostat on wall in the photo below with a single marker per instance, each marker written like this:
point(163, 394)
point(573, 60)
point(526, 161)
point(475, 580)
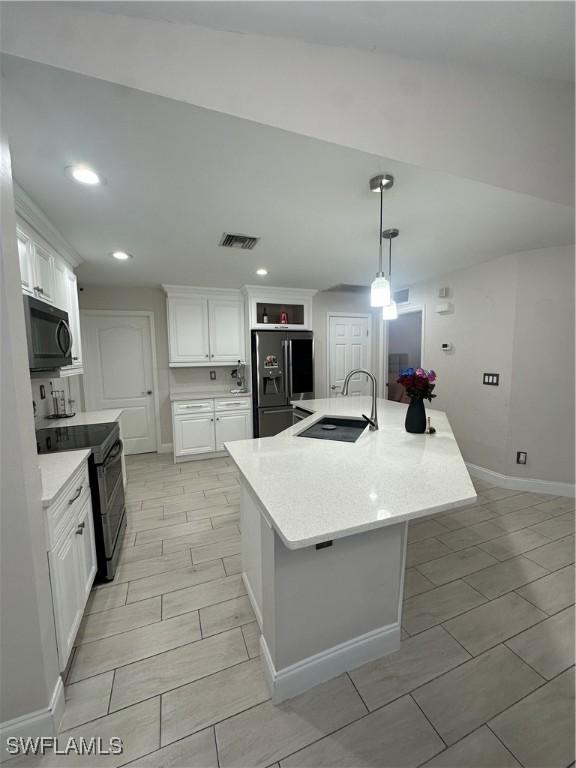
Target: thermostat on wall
point(447, 346)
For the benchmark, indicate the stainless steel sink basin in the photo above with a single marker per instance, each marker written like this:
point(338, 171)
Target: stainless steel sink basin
point(346, 430)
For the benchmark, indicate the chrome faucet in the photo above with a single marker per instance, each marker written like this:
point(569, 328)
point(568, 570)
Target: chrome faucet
point(373, 420)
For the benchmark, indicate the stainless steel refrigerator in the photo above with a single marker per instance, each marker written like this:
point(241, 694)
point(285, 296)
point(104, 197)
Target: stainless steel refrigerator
point(282, 371)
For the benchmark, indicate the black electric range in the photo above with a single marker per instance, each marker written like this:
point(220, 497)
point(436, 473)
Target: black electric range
point(106, 483)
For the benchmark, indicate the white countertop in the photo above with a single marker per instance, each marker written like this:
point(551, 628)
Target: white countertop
point(316, 490)
point(106, 416)
point(203, 394)
point(56, 469)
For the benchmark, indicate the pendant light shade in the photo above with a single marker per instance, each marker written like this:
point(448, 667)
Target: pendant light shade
point(390, 311)
point(380, 288)
point(380, 292)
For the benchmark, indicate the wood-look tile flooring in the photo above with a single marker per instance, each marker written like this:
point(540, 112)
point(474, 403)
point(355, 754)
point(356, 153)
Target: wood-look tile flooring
point(167, 656)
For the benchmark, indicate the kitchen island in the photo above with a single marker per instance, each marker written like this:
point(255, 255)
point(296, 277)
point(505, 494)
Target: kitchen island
point(324, 530)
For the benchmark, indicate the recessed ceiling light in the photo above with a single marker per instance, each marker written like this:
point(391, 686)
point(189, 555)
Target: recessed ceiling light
point(84, 175)
point(262, 272)
point(122, 255)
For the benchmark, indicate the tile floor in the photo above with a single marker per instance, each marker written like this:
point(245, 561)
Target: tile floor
point(167, 656)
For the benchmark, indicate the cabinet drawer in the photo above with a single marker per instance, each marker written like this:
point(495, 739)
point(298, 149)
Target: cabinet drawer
point(223, 404)
point(71, 500)
point(193, 406)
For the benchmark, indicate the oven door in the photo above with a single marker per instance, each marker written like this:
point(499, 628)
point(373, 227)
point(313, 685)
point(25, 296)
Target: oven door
point(111, 493)
point(48, 335)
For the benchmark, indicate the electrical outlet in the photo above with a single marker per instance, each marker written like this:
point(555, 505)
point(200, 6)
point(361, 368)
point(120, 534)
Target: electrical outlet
point(491, 379)
point(212, 375)
point(521, 457)
point(42, 392)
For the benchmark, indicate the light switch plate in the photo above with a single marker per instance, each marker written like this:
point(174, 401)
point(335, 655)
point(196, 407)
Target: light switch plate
point(491, 379)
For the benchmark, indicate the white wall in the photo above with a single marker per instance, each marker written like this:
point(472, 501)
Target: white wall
point(496, 326)
point(542, 403)
point(333, 301)
point(150, 300)
point(505, 130)
point(28, 659)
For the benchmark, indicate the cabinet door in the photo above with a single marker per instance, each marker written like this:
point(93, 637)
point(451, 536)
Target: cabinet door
point(86, 551)
point(66, 598)
point(188, 330)
point(43, 273)
point(25, 257)
point(231, 426)
point(61, 294)
point(226, 330)
point(74, 317)
point(193, 434)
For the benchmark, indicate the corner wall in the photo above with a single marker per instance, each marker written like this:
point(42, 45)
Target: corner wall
point(31, 694)
point(513, 316)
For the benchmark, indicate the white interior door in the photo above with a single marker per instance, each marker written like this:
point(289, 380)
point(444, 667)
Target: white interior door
point(118, 373)
point(348, 347)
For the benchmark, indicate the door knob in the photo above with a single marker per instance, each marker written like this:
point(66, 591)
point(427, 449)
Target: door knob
point(146, 392)
point(333, 386)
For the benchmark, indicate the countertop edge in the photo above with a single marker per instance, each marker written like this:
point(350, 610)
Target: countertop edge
point(77, 458)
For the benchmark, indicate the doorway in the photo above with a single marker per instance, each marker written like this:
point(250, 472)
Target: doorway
point(405, 349)
point(349, 346)
point(120, 372)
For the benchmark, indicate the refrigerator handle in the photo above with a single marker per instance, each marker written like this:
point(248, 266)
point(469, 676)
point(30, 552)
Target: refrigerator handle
point(287, 345)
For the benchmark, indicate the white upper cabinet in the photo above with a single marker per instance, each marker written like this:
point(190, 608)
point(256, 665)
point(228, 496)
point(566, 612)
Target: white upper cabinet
point(205, 326)
point(73, 310)
point(43, 273)
point(226, 323)
point(25, 257)
point(188, 330)
point(61, 294)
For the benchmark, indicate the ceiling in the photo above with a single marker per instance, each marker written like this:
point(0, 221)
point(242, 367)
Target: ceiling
point(178, 176)
point(531, 38)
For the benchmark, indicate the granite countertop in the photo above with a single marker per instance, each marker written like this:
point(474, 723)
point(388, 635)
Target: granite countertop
point(56, 469)
point(317, 490)
point(203, 394)
point(105, 416)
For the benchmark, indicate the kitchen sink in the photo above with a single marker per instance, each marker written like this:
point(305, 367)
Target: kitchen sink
point(346, 430)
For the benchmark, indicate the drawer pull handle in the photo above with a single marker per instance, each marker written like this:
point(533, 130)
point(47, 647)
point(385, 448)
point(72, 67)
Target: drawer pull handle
point(76, 495)
point(80, 529)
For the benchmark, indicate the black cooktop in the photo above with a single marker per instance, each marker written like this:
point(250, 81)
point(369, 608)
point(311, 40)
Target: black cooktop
point(64, 438)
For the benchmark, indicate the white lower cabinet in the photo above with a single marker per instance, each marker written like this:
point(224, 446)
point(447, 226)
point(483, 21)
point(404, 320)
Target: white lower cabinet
point(72, 560)
point(64, 570)
point(194, 434)
point(231, 426)
point(203, 426)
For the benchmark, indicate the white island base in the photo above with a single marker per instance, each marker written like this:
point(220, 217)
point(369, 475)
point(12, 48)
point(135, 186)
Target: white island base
point(322, 609)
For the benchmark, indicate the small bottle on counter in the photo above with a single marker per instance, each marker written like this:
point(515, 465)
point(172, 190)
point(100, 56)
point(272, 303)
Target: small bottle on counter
point(284, 317)
point(265, 315)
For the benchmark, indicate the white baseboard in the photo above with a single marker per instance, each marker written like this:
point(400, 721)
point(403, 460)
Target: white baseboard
point(531, 485)
point(299, 677)
point(253, 601)
point(42, 722)
point(166, 448)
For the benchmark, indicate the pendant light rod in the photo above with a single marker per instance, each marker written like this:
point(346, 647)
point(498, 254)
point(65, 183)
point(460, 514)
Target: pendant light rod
point(380, 272)
point(390, 234)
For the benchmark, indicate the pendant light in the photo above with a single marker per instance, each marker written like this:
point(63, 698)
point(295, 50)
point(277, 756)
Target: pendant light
point(380, 288)
point(390, 310)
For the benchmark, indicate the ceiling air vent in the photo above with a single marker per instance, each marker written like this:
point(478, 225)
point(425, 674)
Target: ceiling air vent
point(402, 296)
point(231, 240)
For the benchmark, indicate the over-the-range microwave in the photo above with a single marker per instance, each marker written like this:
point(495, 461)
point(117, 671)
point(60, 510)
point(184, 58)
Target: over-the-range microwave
point(48, 334)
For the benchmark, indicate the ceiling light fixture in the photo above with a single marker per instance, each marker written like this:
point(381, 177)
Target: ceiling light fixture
point(262, 272)
point(121, 255)
point(380, 288)
point(390, 310)
point(84, 175)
